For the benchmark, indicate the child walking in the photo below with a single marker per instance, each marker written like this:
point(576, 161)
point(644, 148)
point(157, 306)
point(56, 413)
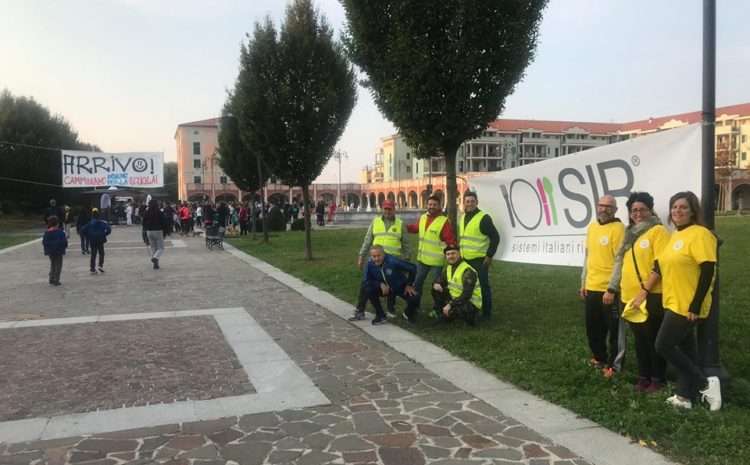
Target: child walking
point(97, 231)
point(54, 243)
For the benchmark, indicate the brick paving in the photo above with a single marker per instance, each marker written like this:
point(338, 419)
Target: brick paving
point(114, 364)
point(385, 409)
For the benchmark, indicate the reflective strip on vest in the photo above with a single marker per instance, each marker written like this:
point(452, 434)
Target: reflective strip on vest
point(456, 284)
point(430, 245)
point(389, 239)
point(473, 243)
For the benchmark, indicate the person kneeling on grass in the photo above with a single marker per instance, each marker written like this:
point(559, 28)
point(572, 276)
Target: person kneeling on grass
point(387, 275)
point(455, 291)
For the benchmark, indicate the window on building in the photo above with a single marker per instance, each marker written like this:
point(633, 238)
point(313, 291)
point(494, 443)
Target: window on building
point(557, 151)
point(408, 169)
point(461, 166)
point(197, 164)
point(196, 132)
point(223, 179)
point(196, 148)
point(744, 156)
point(197, 179)
point(407, 155)
point(744, 138)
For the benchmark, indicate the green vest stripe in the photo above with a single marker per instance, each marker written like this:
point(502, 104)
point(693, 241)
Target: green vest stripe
point(389, 239)
point(473, 243)
point(456, 284)
point(430, 245)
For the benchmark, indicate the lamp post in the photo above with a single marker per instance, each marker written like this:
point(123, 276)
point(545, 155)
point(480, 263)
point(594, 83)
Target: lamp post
point(339, 155)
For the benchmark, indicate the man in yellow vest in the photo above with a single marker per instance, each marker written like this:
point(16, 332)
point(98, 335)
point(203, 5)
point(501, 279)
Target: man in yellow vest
point(603, 238)
point(389, 232)
point(435, 232)
point(456, 293)
point(478, 239)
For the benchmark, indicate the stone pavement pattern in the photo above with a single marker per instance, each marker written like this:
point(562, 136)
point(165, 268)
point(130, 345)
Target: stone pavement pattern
point(385, 408)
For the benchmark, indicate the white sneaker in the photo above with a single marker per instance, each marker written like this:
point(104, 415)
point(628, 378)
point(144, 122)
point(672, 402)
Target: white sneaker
point(675, 401)
point(712, 394)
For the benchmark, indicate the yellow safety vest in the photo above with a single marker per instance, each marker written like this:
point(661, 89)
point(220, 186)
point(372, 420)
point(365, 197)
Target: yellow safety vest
point(430, 245)
point(456, 284)
point(473, 243)
point(389, 238)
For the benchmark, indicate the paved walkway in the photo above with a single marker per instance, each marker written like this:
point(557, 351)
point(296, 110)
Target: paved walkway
point(218, 358)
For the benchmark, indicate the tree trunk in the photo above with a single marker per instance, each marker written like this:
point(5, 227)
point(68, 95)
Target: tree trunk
point(450, 179)
point(262, 202)
point(308, 238)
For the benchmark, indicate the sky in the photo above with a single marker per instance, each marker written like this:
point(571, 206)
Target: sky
point(125, 73)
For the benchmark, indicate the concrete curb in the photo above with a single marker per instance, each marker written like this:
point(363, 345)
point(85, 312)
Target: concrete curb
point(591, 441)
point(18, 246)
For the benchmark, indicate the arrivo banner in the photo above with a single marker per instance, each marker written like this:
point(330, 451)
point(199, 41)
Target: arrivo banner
point(542, 210)
point(97, 169)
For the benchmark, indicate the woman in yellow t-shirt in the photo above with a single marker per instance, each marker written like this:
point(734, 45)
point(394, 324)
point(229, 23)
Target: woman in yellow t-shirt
point(644, 237)
point(686, 265)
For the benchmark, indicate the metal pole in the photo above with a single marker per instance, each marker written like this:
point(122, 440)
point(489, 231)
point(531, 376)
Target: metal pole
point(708, 329)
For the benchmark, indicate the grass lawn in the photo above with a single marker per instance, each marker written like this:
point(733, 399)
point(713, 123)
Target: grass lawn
point(537, 342)
point(19, 229)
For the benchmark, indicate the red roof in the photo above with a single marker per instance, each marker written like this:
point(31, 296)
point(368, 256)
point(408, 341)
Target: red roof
point(558, 127)
point(205, 123)
point(650, 124)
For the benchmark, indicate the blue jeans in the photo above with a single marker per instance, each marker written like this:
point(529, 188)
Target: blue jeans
point(483, 273)
point(422, 272)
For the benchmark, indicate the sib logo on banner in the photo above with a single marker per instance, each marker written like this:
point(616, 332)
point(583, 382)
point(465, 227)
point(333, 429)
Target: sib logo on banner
point(542, 210)
point(96, 169)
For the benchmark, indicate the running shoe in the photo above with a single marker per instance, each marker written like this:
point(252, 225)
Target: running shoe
point(676, 401)
point(358, 316)
point(381, 320)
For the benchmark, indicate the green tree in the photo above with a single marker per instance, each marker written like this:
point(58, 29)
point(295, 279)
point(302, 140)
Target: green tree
point(30, 160)
point(440, 71)
point(295, 93)
point(170, 180)
point(236, 158)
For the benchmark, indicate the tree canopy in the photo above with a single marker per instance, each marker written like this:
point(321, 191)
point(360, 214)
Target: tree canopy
point(30, 161)
point(295, 92)
point(441, 71)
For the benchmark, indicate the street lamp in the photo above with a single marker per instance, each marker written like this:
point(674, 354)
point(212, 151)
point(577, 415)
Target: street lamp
point(339, 155)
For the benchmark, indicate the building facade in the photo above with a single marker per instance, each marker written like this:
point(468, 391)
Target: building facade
point(199, 175)
point(508, 143)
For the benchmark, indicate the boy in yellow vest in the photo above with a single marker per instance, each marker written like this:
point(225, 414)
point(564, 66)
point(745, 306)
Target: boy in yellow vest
point(603, 239)
point(456, 292)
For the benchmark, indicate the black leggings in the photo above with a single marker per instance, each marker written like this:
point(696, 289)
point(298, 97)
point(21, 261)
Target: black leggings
point(676, 343)
point(97, 248)
point(651, 365)
point(602, 326)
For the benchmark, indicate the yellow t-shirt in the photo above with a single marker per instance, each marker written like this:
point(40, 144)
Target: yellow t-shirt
point(679, 262)
point(602, 242)
point(646, 248)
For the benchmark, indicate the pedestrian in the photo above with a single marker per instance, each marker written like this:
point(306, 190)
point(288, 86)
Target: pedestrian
point(644, 239)
point(603, 238)
point(455, 292)
point(82, 220)
point(687, 266)
point(331, 212)
point(97, 231)
point(199, 216)
point(185, 216)
point(478, 239)
point(55, 243)
point(386, 276)
point(244, 217)
point(320, 212)
point(129, 214)
point(155, 227)
point(53, 210)
point(435, 232)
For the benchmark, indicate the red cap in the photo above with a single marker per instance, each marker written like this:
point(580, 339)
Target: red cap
point(389, 204)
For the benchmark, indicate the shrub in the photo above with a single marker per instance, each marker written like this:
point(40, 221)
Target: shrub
point(298, 224)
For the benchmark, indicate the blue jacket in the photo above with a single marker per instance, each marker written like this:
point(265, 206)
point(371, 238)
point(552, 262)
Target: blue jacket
point(54, 242)
point(396, 273)
point(97, 231)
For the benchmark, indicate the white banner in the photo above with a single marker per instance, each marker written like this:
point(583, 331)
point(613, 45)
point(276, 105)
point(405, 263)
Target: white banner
point(97, 169)
point(542, 210)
